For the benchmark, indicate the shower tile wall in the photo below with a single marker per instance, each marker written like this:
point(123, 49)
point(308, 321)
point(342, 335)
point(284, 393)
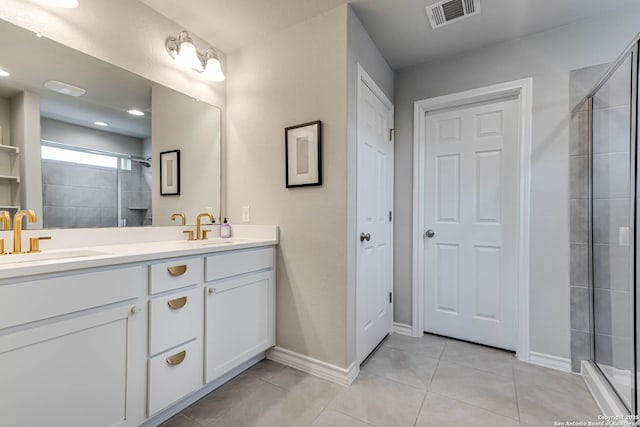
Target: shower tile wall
point(78, 196)
point(582, 81)
point(136, 195)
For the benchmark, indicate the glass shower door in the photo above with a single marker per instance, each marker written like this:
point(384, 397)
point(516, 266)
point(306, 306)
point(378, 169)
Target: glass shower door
point(612, 213)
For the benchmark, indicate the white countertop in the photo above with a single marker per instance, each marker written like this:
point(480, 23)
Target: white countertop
point(59, 260)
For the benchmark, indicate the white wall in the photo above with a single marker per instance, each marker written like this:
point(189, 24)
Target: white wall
point(80, 136)
point(292, 77)
point(5, 120)
point(181, 122)
point(547, 57)
point(360, 50)
point(25, 134)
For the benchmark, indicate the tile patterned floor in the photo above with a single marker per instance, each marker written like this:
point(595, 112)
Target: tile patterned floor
point(422, 382)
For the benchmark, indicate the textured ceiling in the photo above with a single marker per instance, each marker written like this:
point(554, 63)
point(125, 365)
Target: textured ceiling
point(400, 28)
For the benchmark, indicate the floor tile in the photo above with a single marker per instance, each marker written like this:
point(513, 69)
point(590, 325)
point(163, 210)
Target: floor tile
point(411, 369)
point(306, 397)
point(541, 406)
point(228, 398)
point(254, 408)
point(179, 421)
point(379, 401)
point(329, 418)
point(488, 391)
point(428, 345)
point(476, 356)
point(265, 368)
point(545, 377)
point(441, 411)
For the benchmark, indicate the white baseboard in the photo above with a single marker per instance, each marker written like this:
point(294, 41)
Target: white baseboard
point(402, 329)
point(602, 392)
point(315, 367)
point(549, 361)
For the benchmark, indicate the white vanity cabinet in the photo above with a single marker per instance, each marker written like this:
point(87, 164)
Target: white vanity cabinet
point(70, 350)
point(239, 308)
point(175, 331)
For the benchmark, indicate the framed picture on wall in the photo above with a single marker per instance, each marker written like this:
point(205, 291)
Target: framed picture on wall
point(170, 173)
point(303, 154)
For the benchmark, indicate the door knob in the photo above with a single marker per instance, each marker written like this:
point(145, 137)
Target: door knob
point(429, 233)
point(364, 237)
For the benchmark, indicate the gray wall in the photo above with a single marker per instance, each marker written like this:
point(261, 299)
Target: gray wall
point(360, 50)
point(193, 127)
point(547, 57)
point(78, 196)
point(292, 77)
point(80, 136)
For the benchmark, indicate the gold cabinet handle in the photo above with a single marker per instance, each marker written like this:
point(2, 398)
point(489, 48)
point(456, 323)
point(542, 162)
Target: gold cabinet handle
point(177, 270)
point(177, 303)
point(176, 359)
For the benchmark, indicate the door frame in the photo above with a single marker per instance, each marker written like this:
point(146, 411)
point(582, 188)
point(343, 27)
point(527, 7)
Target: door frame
point(365, 78)
point(523, 90)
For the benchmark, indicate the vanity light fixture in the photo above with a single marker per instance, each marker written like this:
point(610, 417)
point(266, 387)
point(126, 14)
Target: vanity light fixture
point(184, 52)
point(4, 73)
point(103, 124)
point(135, 112)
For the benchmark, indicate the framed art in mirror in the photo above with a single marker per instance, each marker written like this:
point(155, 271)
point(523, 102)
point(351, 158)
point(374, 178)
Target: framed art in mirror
point(170, 173)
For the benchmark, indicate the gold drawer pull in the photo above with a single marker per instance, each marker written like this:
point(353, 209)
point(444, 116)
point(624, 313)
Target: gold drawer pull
point(177, 270)
point(177, 303)
point(176, 359)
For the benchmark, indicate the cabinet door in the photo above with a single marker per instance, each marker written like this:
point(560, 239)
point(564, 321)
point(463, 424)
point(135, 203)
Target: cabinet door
point(75, 372)
point(239, 321)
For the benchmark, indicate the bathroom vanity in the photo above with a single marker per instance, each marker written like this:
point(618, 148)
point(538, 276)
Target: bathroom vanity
point(128, 334)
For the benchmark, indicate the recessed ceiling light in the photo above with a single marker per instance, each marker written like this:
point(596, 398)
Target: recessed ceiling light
point(103, 124)
point(4, 73)
point(135, 112)
point(67, 4)
point(64, 88)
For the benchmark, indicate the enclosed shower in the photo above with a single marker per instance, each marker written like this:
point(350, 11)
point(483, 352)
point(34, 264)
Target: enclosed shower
point(603, 199)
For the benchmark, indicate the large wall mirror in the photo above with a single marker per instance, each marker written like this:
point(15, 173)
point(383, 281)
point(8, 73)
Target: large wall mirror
point(81, 139)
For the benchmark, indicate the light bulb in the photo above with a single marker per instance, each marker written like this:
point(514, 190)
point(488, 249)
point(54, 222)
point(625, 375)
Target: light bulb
point(187, 54)
point(213, 69)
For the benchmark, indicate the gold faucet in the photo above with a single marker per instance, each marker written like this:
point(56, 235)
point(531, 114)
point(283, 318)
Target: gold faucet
point(181, 216)
point(17, 228)
point(203, 235)
point(5, 219)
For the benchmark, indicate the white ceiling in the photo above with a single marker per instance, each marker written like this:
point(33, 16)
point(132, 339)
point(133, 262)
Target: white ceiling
point(111, 91)
point(232, 24)
point(400, 28)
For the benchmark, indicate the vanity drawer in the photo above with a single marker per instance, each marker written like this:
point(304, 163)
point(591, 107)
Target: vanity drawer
point(230, 264)
point(174, 319)
point(174, 374)
point(178, 273)
point(26, 302)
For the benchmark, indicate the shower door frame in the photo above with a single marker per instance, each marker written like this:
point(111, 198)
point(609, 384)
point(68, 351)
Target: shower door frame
point(633, 50)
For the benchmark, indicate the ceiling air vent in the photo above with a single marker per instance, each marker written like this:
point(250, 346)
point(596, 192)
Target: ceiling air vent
point(448, 11)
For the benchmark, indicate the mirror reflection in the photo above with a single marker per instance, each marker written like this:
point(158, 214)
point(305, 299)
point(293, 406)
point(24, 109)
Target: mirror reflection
point(94, 161)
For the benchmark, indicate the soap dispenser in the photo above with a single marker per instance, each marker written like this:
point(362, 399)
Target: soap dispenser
point(225, 229)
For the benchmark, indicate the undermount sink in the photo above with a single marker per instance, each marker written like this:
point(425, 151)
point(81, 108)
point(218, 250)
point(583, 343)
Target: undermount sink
point(48, 256)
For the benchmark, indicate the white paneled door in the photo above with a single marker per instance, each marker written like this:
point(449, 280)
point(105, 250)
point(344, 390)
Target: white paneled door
point(374, 273)
point(471, 222)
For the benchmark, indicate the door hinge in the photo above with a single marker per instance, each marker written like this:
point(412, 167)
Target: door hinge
point(391, 134)
point(390, 216)
point(390, 297)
